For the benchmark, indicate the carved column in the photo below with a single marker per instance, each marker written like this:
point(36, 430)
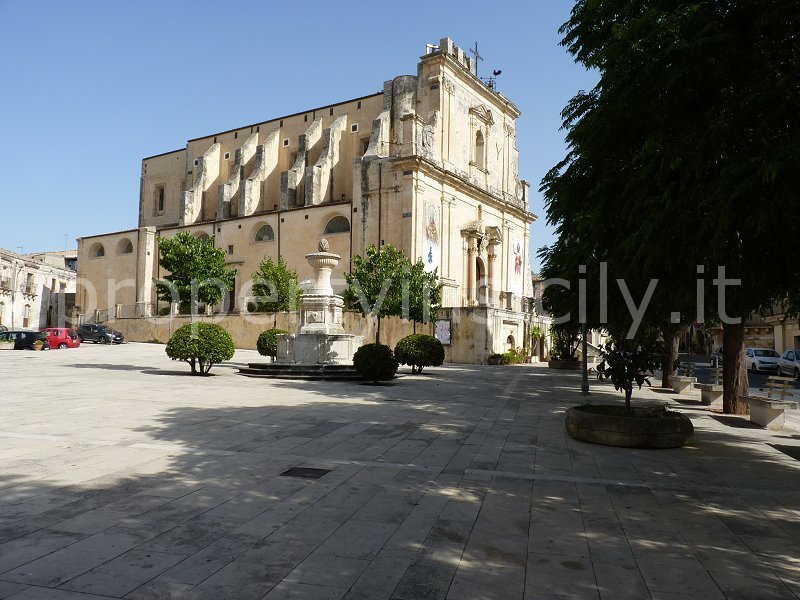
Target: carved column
point(491, 272)
point(470, 282)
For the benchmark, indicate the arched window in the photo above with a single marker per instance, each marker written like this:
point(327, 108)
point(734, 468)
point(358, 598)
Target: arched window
point(480, 151)
point(202, 236)
point(125, 246)
point(338, 225)
point(97, 251)
point(265, 233)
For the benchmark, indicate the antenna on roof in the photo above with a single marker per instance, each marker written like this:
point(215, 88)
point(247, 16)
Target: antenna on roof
point(491, 82)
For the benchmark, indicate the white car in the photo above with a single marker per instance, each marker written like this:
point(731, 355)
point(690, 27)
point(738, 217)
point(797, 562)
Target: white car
point(761, 359)
point(789, 363)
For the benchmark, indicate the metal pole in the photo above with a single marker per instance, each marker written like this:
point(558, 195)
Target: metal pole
point(585, 361)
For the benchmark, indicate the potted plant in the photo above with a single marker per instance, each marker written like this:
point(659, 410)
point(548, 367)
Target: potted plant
point(626, 364)
point(5, 343)
point(39, 344)
point(537, 335)
point(495, 359)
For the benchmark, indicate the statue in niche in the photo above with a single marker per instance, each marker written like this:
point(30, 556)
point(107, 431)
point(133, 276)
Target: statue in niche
point(429, 130)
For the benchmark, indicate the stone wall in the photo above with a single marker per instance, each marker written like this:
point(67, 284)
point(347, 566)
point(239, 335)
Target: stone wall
point(245, 329)
point(475, 332)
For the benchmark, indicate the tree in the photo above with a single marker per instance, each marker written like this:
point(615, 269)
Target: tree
point(197, 271)
point(424, 294)
point(202, 345)
point(684, 159)
point(275, 286)
point(375, 283)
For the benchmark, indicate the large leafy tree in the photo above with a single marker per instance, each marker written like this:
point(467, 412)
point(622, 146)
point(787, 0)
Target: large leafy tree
point(275, 286)
point(684, 155)
point(375, 284)
point(198, 272)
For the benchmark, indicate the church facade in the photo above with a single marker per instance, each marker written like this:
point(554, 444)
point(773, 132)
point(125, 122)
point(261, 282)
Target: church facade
point(429, 165)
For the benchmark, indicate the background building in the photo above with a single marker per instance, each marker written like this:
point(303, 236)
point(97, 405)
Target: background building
point(429, 165)
point(37, 290)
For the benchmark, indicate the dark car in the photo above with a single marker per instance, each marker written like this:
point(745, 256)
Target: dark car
point(24, 340)
point(716, 358)
point(99, 334)
point(3, 328)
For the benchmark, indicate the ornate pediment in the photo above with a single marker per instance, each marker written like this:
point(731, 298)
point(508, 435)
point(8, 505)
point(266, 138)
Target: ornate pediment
point(482, 113)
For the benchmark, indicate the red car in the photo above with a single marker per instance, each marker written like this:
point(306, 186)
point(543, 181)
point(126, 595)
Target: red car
point(61, 337)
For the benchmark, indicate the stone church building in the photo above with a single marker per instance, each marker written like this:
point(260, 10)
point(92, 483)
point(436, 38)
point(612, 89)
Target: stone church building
point(429, 164)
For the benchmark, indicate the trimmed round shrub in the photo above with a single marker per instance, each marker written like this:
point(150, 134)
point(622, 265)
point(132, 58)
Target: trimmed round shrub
point(267, 343)
point(375, 362)
point(202, 345)
point(419, 350)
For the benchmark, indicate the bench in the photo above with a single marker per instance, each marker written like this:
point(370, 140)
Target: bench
point(683, 383)
point(768, 410)
point(711, 393)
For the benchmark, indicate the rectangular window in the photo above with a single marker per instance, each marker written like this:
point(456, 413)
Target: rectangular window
point(230, 249)
point(354, 128)
point(159, 199)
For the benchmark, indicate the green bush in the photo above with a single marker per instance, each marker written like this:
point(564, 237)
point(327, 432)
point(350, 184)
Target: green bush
point(513, 357)
point(267, 343)
point(419, 350)
point(375, 362)
point(202, 345)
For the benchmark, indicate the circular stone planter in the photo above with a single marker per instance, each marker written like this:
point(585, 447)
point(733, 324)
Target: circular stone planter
point(671, 430)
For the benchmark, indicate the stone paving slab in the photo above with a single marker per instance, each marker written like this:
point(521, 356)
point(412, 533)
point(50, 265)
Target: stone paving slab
point(122, 477)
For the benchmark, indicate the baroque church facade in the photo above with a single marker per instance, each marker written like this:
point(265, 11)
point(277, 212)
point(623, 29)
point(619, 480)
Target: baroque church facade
point(429, 165)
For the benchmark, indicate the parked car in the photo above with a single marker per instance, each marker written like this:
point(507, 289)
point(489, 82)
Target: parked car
point(789, 363)
point(99, 334)
point(761, 359)
point(3, 328)
point(24, 340)
point(716, 358)
point(61, 337)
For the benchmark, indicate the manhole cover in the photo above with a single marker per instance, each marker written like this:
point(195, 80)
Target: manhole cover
point(305, 472)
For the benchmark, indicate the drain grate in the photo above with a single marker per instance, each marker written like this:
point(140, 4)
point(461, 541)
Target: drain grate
point(793, 451)
point(305, 472)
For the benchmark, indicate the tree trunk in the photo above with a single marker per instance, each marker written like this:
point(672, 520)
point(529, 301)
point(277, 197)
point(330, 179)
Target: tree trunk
point(670, 355)
point(378, 332)
point(628, 394)
point(191, 362)
point(734, 371)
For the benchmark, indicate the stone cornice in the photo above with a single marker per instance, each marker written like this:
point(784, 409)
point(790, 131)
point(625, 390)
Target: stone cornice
point(431, 168)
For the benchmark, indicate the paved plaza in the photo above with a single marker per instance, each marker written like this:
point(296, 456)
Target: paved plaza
point(123, 477)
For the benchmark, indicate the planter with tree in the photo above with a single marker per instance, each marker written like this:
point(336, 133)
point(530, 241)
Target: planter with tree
point(627, 364)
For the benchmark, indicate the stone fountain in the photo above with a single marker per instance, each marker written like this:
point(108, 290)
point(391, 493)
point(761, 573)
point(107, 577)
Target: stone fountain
point(321, 339)
point(320, 349)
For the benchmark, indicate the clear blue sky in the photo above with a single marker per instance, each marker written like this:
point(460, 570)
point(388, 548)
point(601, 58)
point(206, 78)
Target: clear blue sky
point(90, 88)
